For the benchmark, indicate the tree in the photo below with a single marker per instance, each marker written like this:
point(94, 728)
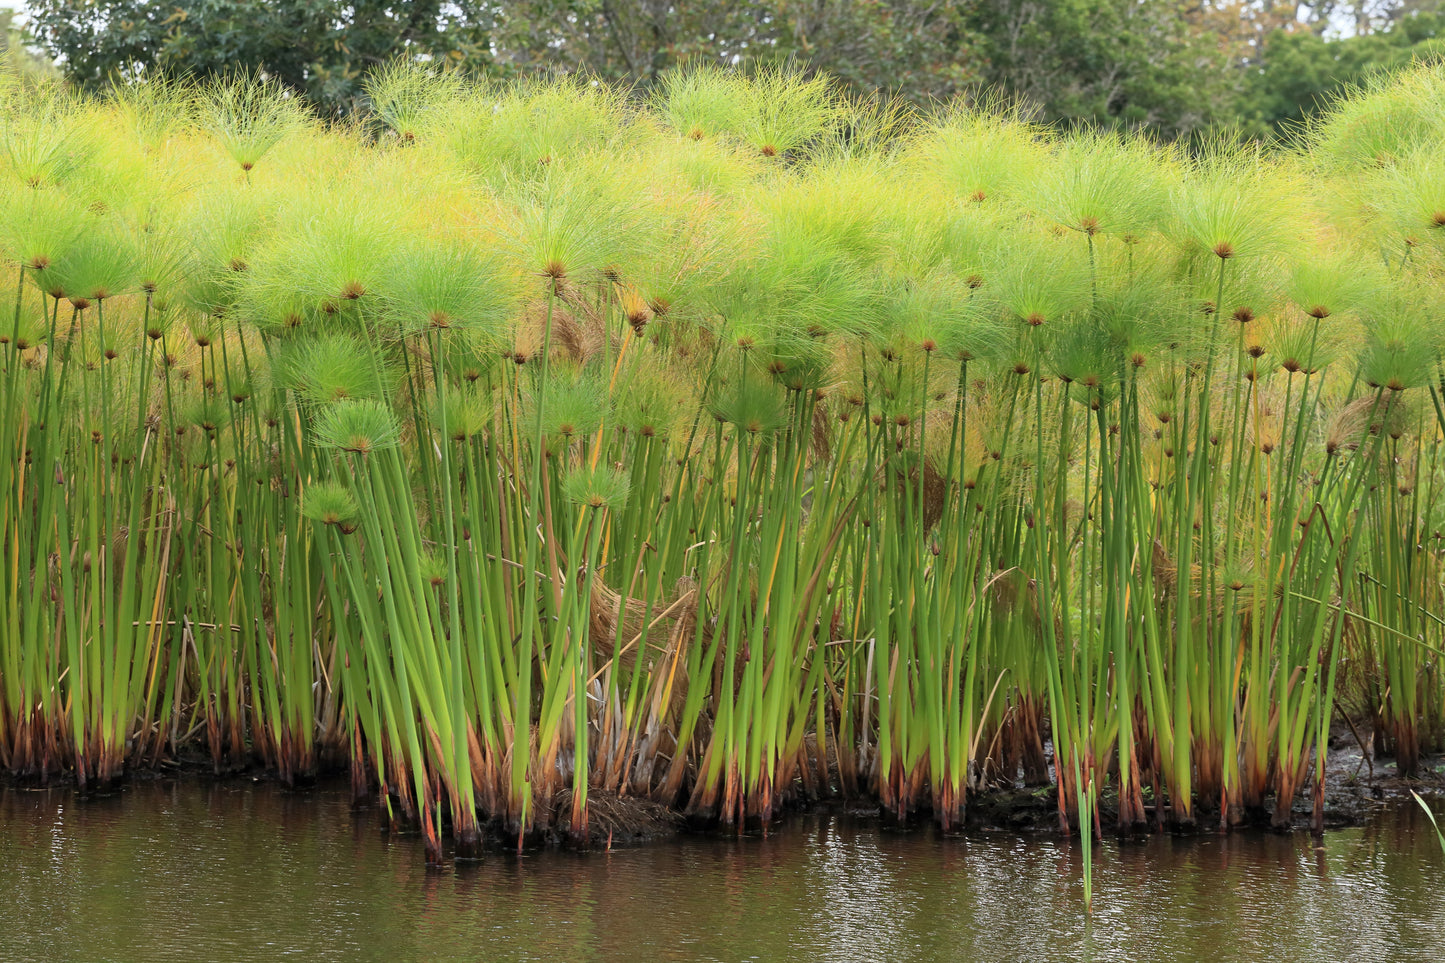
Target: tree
point(320, 47)
point(919, 50)
point(18, 62)
point(1299, 70)
point(1175, 67)
point(1137, 63)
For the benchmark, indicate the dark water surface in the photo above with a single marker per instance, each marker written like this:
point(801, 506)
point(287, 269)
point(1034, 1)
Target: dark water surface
point(233, 872)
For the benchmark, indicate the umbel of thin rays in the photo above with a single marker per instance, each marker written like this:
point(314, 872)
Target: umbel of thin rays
point(523, 445)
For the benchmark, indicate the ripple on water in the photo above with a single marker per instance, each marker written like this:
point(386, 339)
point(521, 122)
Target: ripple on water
point(249, 872)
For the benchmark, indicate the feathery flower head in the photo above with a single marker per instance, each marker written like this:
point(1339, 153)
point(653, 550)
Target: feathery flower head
point(329, 367)
point(412, 98)
point(574, 403)
point(433, 285)
point(1039, 278)
point(358, 425)
point(600, 487)
point(1230, 204)
point(1401, 345)
point(99, 264)
point(700, 101)
point(757, 408)
point(249, 115)
point(1099, 183)
point(330, 503)
point(982, 155)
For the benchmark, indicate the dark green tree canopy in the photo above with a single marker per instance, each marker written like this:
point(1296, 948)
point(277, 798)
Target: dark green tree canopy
point(917, 49)
point(1175, 67)
point(1116, 62)
point(1300, 70)
point(321, 47)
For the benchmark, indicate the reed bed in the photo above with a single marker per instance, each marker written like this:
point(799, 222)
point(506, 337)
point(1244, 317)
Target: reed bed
point(516, 445)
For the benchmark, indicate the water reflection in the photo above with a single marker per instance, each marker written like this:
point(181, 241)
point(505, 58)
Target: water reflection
point(241, 872)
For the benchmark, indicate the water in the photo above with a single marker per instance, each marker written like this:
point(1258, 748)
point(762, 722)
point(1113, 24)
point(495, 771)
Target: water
point(250, 872)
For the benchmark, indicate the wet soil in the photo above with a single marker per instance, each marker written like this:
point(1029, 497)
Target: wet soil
point(1357, 786)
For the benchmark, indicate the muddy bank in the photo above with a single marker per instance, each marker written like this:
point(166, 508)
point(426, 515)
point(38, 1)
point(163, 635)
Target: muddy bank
point(1357, 786)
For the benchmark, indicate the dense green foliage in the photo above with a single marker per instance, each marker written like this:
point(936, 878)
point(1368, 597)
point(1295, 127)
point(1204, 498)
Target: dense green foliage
point(1171, 67)
point(920, 50)
point(1119, 62)
point(524, 445)
point(1300, 70)
point(321, 47)
point(16, 59)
